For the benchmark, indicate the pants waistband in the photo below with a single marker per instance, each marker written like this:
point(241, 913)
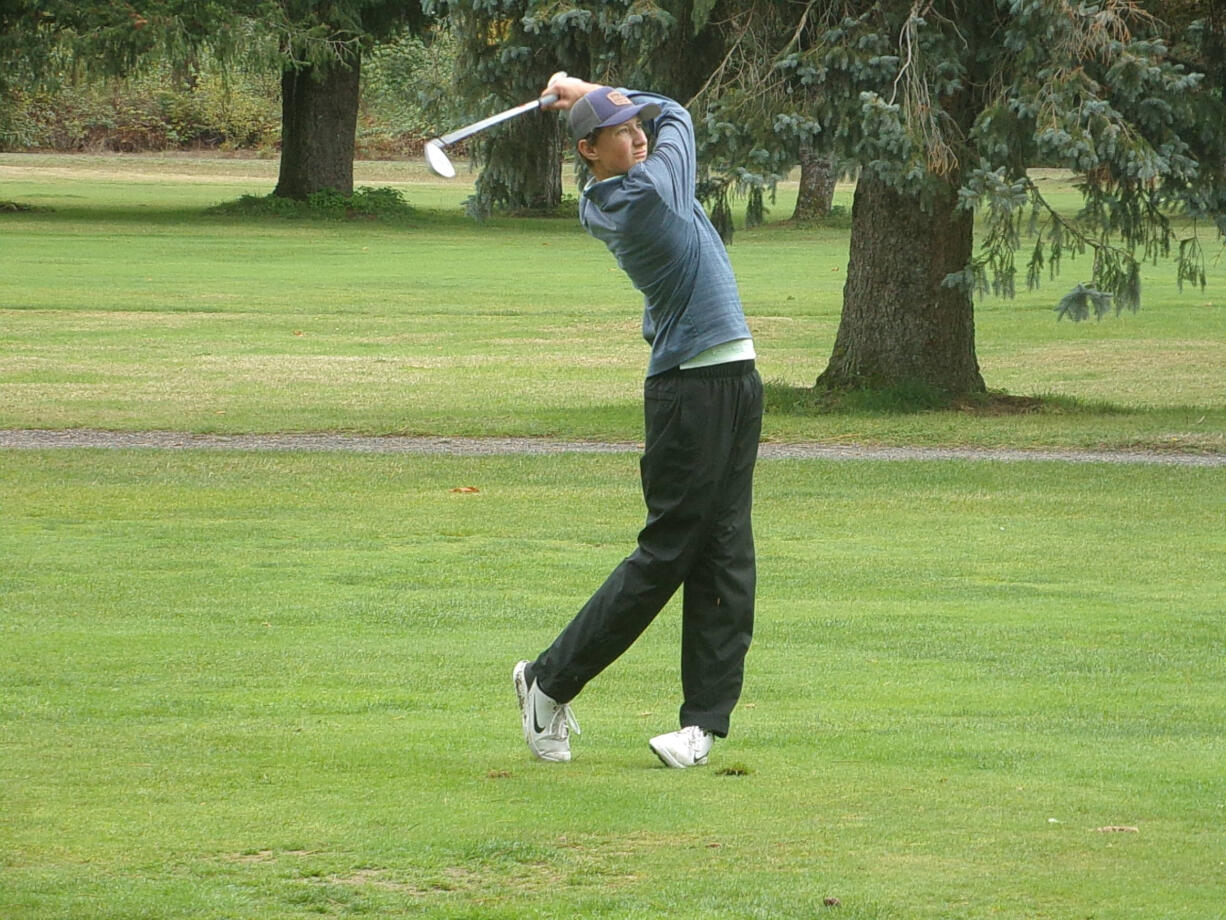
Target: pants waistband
point(727, 369)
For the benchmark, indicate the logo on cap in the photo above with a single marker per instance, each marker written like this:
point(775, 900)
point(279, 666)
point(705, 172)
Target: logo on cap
point(618, 98)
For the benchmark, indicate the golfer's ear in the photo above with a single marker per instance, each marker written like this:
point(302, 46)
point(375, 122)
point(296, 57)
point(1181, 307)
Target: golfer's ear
point(586, 149)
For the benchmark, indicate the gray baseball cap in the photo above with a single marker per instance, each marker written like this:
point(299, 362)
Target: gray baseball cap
point(605, 107)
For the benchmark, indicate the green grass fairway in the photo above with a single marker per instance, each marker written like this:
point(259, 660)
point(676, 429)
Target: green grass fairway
point(278, 686)
point(126, 306)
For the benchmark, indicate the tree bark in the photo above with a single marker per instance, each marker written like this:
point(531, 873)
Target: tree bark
point(319, 118)
point(522, 171)
point(817, 181)
point(901, 325)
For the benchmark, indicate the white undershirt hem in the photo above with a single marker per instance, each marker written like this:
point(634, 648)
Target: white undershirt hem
point(736, 350)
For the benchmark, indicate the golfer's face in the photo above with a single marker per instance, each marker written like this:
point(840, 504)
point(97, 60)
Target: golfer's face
point(618, 148)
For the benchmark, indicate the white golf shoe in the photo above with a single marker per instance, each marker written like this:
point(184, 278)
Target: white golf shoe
point(685, 748)
point(547, 725)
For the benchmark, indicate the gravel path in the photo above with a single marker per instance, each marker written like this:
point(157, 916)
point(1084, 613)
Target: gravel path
point(25, 439)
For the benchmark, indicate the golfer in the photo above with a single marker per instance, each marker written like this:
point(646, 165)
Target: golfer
point(703, 418)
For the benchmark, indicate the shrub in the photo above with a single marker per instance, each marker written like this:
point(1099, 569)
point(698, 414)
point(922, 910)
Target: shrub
point(382, 203)
point(406, 99)
point(158, 110)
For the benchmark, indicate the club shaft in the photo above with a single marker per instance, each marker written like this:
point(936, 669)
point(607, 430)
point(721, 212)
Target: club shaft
point(469, 130)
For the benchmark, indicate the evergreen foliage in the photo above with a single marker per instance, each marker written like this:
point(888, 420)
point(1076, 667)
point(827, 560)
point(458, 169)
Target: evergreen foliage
point(509, 48)
point(317, 46)
point(1080, 301)
point(926, 93)
point(169, 66)
point(408, 90)
point(407, 96)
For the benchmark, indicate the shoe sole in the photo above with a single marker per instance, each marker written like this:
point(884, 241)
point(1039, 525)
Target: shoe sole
point(521, 688)
point(521, 694)
point(670, 762)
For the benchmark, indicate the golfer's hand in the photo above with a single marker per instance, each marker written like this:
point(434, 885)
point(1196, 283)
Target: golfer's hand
point(569, 90)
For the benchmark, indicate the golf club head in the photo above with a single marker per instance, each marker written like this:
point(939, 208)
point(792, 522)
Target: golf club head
point(438, 161)
point(434, 148)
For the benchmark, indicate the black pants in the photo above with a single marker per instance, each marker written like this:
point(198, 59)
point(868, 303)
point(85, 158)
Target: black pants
point(702, 430)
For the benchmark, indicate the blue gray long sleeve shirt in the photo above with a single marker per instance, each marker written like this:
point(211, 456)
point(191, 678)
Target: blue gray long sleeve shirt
point(664, 241)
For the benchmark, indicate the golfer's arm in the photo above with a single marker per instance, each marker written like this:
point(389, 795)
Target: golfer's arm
point(674, 153)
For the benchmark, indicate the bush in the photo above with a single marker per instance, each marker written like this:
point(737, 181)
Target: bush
point(155, 111)
point(366, 203)
point(232, 113)
point(407, 95)
point(19, 123)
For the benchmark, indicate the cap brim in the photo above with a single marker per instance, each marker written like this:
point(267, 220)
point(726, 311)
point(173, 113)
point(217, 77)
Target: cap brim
point(646, 111)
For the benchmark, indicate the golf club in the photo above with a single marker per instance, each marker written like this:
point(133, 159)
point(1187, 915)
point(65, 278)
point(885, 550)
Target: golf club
point(438, 160)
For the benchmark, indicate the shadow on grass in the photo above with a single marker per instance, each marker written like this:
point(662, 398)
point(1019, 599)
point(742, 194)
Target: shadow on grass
point(365, 203)
point(916, 398)
point(17, 206)
point(367, 207)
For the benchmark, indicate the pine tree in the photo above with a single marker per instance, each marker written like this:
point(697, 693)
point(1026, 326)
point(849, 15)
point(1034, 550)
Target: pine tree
point(321, 44)
point(945, 106)
point(510, 48)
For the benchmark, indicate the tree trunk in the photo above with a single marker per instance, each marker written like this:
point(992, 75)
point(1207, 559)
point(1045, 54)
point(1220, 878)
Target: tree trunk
point(522, 172)
point(901, 324)
point(817, 180)
point(319, 118)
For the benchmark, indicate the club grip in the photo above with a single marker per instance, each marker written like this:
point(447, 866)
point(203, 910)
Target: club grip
point(551, 98)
